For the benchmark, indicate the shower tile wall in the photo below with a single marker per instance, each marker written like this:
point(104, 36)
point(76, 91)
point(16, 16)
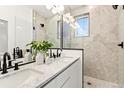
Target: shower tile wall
point(101, 51)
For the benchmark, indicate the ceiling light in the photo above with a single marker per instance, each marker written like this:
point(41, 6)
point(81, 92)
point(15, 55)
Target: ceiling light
point(56, 9)
point(61, 8)
point(66, 20)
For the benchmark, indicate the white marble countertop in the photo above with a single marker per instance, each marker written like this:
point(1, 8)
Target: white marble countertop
point(48, 71)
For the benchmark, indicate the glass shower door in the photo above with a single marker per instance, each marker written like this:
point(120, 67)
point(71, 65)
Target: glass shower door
point(66, 35)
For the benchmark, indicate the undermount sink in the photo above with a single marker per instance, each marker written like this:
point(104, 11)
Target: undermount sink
point(18, 78)
point(64, 59)
point(59, 59)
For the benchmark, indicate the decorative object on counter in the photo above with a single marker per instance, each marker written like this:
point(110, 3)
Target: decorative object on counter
point(40, 49)
point(0, 62)
point(61, 54)
point(40, 58)
point(28, 56)
point(17, 53)
point(58, 52)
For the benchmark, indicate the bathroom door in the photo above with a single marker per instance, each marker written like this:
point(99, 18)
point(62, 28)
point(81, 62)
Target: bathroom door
point(121, 47)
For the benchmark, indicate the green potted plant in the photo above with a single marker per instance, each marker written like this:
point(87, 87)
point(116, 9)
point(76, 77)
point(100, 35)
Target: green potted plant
point(40, 49)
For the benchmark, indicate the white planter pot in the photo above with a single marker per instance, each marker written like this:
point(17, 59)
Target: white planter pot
point(39, 58)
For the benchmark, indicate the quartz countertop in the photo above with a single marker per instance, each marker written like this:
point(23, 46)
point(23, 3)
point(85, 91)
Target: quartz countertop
point(48, 72)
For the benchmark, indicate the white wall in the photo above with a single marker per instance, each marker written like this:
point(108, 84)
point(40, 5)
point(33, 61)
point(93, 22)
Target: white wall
point(24, 31)
point(19, 20)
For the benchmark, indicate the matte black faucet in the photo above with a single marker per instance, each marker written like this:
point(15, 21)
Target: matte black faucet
point(14, 53)
point(0, 64)
point(57, 52)
point(50, 53)
point(5, 57)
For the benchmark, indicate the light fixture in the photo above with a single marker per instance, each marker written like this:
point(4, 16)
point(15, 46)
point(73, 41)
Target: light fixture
point(66, 20)
point(56, 9)
point(70, 20)
point(77, 25)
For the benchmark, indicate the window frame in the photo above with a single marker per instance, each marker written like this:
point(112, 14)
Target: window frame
point(58, 29)
point(81, 16)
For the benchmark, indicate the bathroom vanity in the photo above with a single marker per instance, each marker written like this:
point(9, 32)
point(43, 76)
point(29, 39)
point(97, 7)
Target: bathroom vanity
point(64, 72)
point(68, 77)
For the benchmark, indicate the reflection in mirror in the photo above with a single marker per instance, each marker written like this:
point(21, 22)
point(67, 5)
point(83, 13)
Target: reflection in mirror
point(15, 31)
point(3, 36)
point(50, 29)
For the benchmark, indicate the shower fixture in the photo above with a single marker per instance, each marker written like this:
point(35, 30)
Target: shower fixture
point(116, 6)
point(42, 25)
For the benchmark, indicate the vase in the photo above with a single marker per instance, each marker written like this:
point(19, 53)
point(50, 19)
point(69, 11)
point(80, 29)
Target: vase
point(39, 58)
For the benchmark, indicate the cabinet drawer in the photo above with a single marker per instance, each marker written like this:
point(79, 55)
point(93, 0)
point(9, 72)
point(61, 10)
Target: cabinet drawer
point(63, 77)
point(69, 78)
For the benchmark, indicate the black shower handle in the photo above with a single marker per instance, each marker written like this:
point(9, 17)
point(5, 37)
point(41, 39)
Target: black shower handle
point(121, 45)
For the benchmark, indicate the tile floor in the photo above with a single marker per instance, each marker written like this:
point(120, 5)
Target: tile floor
point(90, 82)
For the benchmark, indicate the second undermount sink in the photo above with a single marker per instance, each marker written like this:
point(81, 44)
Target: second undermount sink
point(58, 60)
point(18, 78)
point(64, 59)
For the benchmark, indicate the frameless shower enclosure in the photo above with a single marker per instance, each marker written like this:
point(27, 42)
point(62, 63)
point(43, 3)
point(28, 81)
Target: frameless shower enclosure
point(101, 35)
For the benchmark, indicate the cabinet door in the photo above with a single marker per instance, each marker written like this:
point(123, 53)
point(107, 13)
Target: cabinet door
point(73, 76)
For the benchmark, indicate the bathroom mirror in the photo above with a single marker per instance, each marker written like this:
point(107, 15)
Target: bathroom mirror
point(35, 22)
point(3, 36)
point(49, 30)
point(23, 24)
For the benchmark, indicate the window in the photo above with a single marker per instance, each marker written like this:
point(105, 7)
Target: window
point(83, 29)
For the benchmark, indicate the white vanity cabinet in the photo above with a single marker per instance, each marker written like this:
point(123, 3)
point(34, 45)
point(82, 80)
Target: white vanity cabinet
point(71, 77)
